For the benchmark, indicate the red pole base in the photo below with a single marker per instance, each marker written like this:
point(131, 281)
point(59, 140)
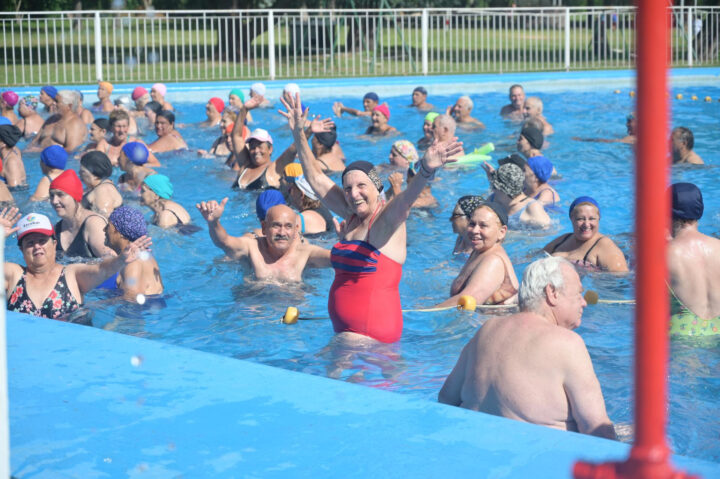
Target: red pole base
point(630, 469)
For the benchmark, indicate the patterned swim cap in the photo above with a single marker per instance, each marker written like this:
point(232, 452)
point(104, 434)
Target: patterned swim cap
point(407, 150)
point(509, 179)
point(129, 222)
point(470, 203)
point(31, 101)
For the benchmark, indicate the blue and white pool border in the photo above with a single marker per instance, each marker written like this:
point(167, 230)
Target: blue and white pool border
point(343, 88)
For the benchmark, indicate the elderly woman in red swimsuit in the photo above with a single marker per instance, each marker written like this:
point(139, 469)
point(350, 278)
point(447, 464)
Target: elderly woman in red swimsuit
point(585, 246)
point(44, 287)
point(488, 274)
point(364, 298)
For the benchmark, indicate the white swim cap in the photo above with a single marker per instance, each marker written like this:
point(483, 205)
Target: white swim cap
point(291, 88)
point(258, 88)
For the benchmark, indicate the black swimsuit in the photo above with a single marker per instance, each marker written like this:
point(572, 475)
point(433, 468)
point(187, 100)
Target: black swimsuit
point(585, 258)
point(259, 183)
point(79, 246)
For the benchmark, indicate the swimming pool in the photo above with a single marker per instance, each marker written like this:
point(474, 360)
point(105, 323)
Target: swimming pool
point(212, 305)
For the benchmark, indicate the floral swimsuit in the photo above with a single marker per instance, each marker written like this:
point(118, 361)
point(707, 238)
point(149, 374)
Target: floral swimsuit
point(59, 303)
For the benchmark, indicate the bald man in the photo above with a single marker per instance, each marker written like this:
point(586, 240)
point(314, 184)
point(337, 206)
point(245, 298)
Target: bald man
point(461, 113)
point(533, 109)
point(278, 255)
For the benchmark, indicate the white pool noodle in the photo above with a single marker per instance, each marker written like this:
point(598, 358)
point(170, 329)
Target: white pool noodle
point(4, 416)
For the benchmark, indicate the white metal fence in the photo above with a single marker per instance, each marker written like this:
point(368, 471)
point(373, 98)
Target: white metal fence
point(134, 46)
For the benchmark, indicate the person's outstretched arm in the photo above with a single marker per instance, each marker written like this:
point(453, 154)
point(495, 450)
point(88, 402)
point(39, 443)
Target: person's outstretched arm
point(329, 193)
point(89, 276)
point(398, 209)
point(233, 246)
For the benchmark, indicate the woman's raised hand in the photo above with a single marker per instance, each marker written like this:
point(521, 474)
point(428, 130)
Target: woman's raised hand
point(295, 116)
point(8, 218)
point(441, 153)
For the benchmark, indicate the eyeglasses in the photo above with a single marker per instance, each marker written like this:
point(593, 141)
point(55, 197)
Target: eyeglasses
point(456, 215)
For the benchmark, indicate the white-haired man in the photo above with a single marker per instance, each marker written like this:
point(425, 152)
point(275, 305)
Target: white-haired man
point(531, 366)
point(461, 110)
point(65, 128)
point(444, 131)
point(533, 109)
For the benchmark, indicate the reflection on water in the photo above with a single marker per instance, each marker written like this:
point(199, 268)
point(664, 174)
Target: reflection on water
point(212, 304)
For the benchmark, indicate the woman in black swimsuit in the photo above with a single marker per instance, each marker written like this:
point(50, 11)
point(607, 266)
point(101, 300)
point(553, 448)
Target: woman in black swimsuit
point(27, 285)
point(585, 246)
point(11, 165)
point(101, 196)
point(257, 171)
point(80, 232)
point(156, 192)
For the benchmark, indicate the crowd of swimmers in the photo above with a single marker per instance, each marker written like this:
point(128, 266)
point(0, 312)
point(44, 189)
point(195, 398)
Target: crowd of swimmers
point(533, 351)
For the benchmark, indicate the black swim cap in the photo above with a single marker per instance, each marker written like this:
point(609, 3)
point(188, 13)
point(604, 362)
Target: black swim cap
point(533, 136)
point(327, 139)
point(102, 123)
point(687, 202)
point(97, 163)
point(367, 168)
point(514, 159)
point(499, 210)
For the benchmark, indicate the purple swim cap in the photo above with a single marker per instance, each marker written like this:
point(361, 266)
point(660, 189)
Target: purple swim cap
point(129, 222)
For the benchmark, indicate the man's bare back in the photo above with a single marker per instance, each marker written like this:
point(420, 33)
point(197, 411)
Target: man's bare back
point(531, 366)
point(694, 267)
point(493, 350)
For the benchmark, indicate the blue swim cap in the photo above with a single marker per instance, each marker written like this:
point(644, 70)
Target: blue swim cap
point(583, 199)
point(687, 202)
point(136, 152)
point(5, 120)
point(54, 156)
point(50, 90)
point(372, 96)
point(541, 166)
point(160, 185)
point(267, 200)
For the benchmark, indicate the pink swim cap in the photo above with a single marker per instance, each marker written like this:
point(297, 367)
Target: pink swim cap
point(383, 109)
point(10, 98)
point(138, 92)
point(160, 88)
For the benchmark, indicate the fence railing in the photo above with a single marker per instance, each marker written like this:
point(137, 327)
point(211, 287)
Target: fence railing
point(133, 46)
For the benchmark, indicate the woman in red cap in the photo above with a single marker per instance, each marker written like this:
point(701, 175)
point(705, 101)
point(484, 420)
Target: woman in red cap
point(80, 232)
point(380, 117)
point(27, 287)
point(213, 109)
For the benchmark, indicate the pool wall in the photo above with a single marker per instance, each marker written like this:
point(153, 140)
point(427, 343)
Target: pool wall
point(89, 403)
point(354, 88)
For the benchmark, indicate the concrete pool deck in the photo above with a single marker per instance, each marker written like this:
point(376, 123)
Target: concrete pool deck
point(87, 403)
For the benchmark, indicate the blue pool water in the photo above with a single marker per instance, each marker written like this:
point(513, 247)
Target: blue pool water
point(215, 306)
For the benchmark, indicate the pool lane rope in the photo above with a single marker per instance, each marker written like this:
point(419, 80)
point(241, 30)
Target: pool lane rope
point(592, 297)
point(465, 303)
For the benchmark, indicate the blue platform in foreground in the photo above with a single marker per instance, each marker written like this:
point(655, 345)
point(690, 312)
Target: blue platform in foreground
point(80, 408)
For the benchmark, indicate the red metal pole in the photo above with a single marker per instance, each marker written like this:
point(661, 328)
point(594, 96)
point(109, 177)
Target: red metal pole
point(650, 453)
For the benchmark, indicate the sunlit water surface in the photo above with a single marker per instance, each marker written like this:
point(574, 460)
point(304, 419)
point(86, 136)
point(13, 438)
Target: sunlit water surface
point(214, 305)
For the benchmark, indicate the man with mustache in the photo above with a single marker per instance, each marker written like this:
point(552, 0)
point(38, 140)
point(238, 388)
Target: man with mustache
point(277, 255)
